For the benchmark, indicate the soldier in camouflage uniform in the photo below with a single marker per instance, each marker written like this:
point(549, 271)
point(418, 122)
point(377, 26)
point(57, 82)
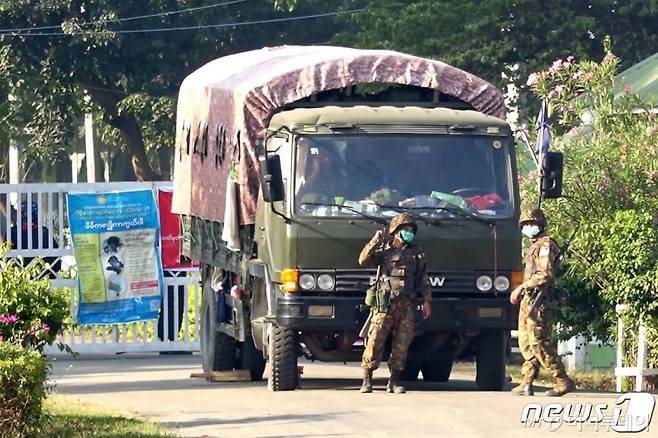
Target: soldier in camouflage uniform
point(403, 274)
point(534, 331)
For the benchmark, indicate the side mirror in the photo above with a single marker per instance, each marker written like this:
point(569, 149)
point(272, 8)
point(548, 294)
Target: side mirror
point(552, 167)
point(271, 179)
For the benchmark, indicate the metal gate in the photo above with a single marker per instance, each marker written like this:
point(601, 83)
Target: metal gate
point(178, 326)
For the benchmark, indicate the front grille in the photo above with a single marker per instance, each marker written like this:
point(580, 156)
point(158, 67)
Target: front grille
point(354, 282)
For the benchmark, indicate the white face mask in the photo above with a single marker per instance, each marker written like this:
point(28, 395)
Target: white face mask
point(530, 230)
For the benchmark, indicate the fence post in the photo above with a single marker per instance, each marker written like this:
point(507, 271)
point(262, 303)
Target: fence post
point(641, 358)
point(620, 347)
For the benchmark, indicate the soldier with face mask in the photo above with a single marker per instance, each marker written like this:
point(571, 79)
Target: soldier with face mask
point(403, 278)
point(535, 327)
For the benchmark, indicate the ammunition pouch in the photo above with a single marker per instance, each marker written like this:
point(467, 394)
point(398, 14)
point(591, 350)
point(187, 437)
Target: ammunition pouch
point(371, 296)
point(378, 298)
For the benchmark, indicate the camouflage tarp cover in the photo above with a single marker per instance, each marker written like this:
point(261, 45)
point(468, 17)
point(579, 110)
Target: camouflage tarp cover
point(225, 106)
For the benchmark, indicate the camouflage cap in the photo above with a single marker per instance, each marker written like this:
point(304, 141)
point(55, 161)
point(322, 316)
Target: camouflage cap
point(535, 215)
point(400, 220)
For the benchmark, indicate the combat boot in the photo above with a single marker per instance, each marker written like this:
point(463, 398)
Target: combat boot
point(523, 388)
point(563, 385)
point(366, 386)
point(394, 385)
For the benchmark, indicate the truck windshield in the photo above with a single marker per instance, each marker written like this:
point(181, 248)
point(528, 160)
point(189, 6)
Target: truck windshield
point(431, 174)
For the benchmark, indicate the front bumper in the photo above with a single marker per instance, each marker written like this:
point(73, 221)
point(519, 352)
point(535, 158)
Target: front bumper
point(349, 313)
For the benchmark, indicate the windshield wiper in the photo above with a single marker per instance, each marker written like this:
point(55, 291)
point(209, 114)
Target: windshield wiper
point(458, 211)
point(427, 220)
point(360, 213)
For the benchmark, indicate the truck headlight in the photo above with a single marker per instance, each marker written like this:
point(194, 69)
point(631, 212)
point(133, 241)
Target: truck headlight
point(307, 281)
point(501, 283)
point(484, 283)
point(326, 282)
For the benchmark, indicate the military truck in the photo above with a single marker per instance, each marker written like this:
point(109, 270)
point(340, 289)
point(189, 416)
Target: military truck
point(301, 154)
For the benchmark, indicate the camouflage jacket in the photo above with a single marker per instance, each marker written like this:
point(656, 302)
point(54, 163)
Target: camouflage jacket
point(540, 265)
point(402, 269)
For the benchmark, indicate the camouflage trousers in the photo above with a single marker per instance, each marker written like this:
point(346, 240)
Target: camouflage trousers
point(398, 320)
point(535, 342)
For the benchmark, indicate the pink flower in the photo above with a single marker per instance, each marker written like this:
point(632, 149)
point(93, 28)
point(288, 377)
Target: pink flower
point(559, 89)
point(532, 79)
point(570, 58)
point(609, 57)
point(627, 90)
point(45, 327)
point(2, 338)
point(651, 129)
point(555, 67)
point(652, 176)
point(8, 319)
point(577, 75)
point(588, 76)
point(551, 93)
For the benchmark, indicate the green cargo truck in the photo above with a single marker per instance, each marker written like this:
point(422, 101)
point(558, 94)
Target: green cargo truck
point(326, 145)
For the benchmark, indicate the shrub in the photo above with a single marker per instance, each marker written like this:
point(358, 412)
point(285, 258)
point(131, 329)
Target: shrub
point(31, 313)
point(23, 374)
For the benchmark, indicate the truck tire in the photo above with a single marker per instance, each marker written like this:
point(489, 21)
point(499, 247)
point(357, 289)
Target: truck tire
point(282, 354)
point(250, 358)
point(218, 350)
point(490, 367)
point(411, 370)
point(437, 369)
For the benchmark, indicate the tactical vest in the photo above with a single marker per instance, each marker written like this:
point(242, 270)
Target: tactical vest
point(531, 269)
point(400, 271)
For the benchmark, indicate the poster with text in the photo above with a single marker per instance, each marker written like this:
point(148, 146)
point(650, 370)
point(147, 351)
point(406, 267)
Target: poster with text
point(116, 241)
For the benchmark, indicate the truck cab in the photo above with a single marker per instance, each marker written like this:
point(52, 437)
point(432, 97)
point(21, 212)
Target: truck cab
point(341, 173)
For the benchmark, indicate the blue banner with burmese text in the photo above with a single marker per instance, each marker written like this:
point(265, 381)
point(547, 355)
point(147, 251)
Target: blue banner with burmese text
point(116, 241)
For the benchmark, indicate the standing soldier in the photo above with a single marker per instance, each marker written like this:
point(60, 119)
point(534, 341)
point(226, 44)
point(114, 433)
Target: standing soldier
point(538, 302)
point(403, 277)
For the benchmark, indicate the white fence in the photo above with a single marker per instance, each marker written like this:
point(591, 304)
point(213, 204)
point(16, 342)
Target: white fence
point(640, 370)
point(178, 326)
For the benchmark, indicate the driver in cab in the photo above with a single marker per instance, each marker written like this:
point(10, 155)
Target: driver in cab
point(319, 178)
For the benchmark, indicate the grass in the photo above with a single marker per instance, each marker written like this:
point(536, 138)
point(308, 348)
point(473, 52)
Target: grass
point(69, 417)
point(587, 380)
point(590, 380)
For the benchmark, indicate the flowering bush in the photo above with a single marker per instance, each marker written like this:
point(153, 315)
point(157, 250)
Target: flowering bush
point(31, 316)
point(609, 137)
point(31, 313)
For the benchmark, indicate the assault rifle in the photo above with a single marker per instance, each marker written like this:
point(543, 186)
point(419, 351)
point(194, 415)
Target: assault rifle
point(536, 302)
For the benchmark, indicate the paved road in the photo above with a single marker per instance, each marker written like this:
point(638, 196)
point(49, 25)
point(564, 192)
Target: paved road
point(160, 388)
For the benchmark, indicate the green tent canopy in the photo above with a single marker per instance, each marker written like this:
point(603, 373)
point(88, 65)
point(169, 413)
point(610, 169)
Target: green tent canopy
point(642, 78)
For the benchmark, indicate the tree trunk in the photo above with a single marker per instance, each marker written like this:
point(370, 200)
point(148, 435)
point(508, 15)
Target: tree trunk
point(132, 133)
point(130, 129)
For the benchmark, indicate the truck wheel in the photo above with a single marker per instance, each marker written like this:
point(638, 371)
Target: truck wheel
point(218, 350)
point(437, 369)
point(251, 359)
point(490, 369)
point(411, 370)
point(282, 354)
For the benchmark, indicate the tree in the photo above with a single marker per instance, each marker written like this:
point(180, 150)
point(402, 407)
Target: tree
point(83, 63)
point(484, 37)
point(611, 196)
